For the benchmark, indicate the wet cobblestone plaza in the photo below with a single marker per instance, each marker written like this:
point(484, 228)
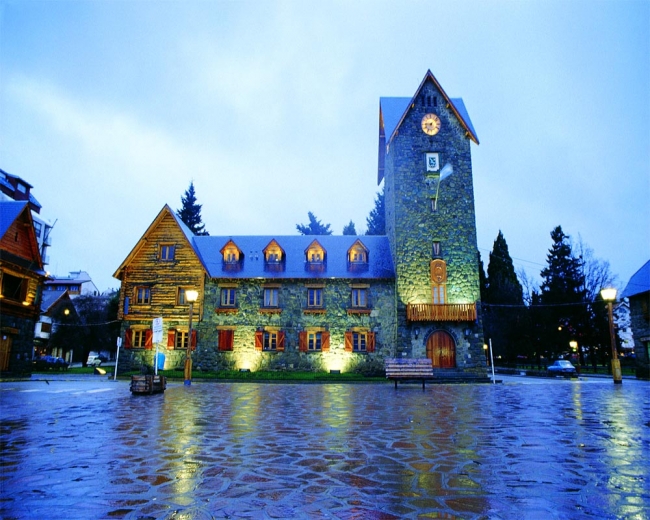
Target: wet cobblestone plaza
point(538, 449)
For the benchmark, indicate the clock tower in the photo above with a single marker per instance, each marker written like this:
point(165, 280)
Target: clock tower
point(425, 163)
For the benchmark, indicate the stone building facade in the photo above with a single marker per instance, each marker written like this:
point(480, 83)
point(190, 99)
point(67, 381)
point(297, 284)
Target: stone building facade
point(638, 293)
point(330, 302)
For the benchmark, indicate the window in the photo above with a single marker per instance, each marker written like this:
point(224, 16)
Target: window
point(360, 341)
point(142, 295)
point(139, 338)
point(273, 253)
point(167, 252)
point(228, 297)
point(180, 297)
point(314, 340)
point(231, 253)
point(225, 339)
point(315, 253)
point(315, 297)
point(269, 340)
point(438, 281)
point(358, 254)
point(180, 341)
point(177, 339)
point(436, 250)
point(270, 297)
point(14, 288)
point(360, 297)
point(38, 228)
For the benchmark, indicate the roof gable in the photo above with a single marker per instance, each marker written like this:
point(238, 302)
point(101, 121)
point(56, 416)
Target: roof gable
point(639, 283)
point(184, 234)
point(17, 234)
point(393, 111)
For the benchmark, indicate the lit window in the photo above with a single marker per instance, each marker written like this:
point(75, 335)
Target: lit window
point(358, 254)
point(359, 297)
point(143, 295)
point(228, 297)
point(270, 340)
point(231, 253)
point(167, 252)
point(314, 340)
point(314, 297)
point(360, 341)
point(270, 297)
point(315, 253)
point(139, 339)
point(273, 252)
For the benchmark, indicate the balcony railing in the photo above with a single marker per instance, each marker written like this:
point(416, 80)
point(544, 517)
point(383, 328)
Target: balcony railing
point(447, 312)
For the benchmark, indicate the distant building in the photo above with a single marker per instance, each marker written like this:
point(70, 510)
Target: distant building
point(22, 276)
point(329, 302)
point(55, 308)
point(77, 283)
point(13, 187)
point(637, 292)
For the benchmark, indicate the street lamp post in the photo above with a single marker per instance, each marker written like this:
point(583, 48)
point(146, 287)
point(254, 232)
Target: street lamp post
point(191, 297)
point(609, 295)
point(574, 348)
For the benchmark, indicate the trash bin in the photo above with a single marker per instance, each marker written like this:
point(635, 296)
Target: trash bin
point(161, 361)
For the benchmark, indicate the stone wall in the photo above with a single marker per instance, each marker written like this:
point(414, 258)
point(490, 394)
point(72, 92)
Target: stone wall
point(639, 315)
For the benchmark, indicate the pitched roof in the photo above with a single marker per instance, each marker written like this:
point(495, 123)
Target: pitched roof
point(166, 210)
point(639, 283)
point(394, 110)
point(294, 265)
point(4, 180)
point(9, 212)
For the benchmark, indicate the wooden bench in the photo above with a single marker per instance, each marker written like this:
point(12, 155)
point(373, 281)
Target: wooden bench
point(409, 370)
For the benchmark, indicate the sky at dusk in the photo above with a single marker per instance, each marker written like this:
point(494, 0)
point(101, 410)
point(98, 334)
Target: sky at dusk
point(110, 108)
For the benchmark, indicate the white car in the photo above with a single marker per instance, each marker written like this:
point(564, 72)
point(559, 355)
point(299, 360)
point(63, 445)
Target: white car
point(93, 361)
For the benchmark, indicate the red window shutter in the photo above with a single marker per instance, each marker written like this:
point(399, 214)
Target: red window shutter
point(148, 339)
point(171, 339)
point(225, 340)
point(325, 341)
point(280, 346)
point(259, 340)
point(348, 342)
point(128, 333)
point(193, 339)
point(302, 341)
point(370, 347)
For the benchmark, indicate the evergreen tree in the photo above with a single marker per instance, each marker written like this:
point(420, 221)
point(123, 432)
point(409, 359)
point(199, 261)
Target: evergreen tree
point(315, 227)
point(504, 303)
point(190, 213)
point(350, 229)
point(376, 221)
point(563, 295)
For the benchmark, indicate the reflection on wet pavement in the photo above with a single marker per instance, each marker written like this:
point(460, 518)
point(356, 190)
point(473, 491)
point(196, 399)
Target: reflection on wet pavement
point(283, 451)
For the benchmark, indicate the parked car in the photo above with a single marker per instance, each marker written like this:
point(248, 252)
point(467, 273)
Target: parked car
point(94, 361)
point(50, 363)
point(561, 366)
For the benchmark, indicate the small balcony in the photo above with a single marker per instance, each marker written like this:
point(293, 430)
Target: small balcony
point(446, 312)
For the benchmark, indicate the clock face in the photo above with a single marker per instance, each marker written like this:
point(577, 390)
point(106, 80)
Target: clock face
point(430, 124)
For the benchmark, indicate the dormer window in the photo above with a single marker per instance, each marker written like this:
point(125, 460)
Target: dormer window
point(273, 253)
point(232, 256)
point(358, 254)
point(315, 257)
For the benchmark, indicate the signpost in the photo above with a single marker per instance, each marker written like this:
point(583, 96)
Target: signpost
point(157, 328)
point(117, 356)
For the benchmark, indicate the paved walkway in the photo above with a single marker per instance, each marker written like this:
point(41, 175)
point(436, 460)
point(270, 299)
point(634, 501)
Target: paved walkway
point(549, 449)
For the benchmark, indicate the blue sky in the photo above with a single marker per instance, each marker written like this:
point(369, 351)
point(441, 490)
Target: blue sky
point(109, 109)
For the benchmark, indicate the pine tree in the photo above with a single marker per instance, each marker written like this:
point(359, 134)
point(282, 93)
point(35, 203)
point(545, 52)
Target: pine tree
point(376, 221)
point(190, 213)
point(350, 229)
point(565, 314)
point(504, 302)
point(315, 227)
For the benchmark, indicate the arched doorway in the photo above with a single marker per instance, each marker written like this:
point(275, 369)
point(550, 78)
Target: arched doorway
point(441, 349)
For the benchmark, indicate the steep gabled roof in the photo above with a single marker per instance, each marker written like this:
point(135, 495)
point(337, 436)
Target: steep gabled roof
point(639, 283)
point(12, 211)
point(165, 211)
point(393, 110)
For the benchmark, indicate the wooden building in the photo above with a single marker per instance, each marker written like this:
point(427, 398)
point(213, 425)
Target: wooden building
point(22, 277)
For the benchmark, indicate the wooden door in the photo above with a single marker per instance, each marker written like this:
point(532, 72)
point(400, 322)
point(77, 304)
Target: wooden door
point(5, 352)
point(441, 350)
